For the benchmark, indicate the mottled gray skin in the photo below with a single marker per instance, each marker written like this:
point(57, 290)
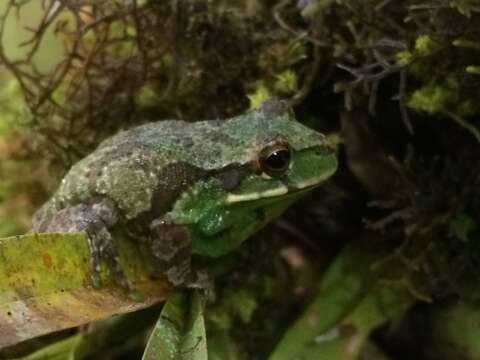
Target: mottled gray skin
point(172, 179)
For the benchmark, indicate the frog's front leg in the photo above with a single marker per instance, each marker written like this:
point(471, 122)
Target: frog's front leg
point(171, 247)
point(95, 218)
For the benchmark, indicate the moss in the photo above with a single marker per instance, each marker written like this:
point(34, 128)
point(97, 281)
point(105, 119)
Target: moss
point(425, 45)
point(464, 7)
point(286, 82)
point(431, 98)
point(234, 304)
point(282, 84)
point(472, 69)
point(461, 227)
point(219, 318)
point(440, 98)
point(404, 58)
point(466, 43)
point(147, 96)
point(260, 94)
point(242, 303)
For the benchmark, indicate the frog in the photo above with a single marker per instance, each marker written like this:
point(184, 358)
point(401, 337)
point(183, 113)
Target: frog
point(188, 188)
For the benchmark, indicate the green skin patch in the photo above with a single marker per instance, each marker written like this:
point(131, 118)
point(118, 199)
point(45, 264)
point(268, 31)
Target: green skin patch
point(225, 220)
point(200, 188)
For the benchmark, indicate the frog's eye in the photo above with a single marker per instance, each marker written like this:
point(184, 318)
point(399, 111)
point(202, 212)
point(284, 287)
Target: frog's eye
point(274, 159)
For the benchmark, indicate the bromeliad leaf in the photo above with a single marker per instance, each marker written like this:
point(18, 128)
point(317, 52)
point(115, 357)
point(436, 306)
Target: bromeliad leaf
point(44, 276)
point(102, 339)
point(349, 304)
point(348, 339)
point(180, 331)
point(222, 346)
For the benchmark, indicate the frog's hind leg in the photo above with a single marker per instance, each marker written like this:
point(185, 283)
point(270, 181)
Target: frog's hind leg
point(95, 218)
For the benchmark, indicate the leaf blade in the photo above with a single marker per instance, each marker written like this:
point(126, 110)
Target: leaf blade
point(180, 330)
point(44, 276)
point(349, 297)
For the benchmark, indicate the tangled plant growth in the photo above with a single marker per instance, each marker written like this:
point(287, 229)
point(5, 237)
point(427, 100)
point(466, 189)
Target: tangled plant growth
point(395, 82)
point(124, 62)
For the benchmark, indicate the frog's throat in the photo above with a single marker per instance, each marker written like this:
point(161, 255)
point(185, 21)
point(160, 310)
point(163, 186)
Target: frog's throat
point(281, 190)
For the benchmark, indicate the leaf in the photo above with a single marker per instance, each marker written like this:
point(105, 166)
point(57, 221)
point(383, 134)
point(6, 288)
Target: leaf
point(349, 304)
point(453, 330)
point(43, 277)
point(221, 346)
point(180, 330)
point(105, 336)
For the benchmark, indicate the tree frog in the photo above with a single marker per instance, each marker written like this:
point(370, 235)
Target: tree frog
point(186, 189)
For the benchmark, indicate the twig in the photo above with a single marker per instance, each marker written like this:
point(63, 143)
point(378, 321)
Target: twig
point(467, 126)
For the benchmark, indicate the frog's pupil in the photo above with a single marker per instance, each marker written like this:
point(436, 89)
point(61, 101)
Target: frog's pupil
point(278, 160)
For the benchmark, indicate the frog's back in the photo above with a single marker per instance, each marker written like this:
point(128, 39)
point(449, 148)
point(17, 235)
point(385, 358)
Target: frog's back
point(123, 168)
point(127, 167)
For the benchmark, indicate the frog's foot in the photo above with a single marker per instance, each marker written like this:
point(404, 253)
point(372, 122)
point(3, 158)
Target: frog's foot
point(171, 248)
point(202, 280)
point(94, 218)
point(102, 247)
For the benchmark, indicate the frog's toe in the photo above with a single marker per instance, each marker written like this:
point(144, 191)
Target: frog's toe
point(179, 274)
point(102, 247)
point(201, 279)
point(94, 262)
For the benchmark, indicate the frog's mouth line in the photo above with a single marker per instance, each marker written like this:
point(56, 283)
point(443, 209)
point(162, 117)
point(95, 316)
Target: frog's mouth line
point(282, 190)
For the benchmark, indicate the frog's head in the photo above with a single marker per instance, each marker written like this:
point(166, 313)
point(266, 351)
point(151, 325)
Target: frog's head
point(283, 157)
point(273, 161)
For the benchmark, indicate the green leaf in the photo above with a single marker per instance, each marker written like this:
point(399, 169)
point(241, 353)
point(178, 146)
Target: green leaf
point(62, 350)
point(349, 304)
point(221, 346)
point(104, 336)
point(45, 285)
point(454, 330)
point(180, 330)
